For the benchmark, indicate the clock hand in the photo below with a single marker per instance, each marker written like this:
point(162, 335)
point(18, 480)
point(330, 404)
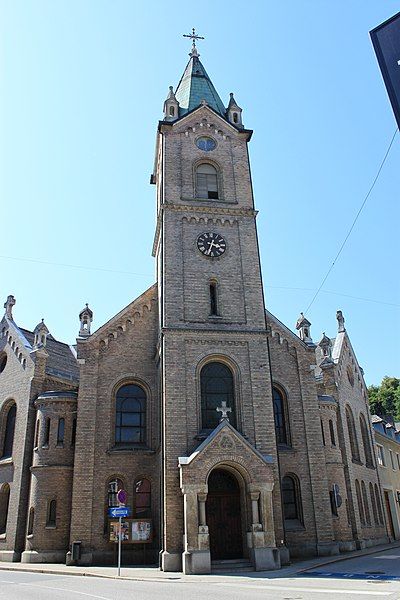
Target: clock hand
point(210, 247)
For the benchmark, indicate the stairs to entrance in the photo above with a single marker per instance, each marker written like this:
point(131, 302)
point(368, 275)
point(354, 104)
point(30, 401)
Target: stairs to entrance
point(237, 565)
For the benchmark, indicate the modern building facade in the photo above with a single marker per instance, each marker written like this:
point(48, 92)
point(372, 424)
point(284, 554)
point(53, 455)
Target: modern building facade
point(234, 438)
point(387, 443)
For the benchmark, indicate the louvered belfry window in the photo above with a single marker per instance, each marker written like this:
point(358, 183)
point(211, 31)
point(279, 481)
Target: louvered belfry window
point(206, 182)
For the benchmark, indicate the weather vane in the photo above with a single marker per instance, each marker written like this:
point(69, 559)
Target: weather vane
point(193, 36)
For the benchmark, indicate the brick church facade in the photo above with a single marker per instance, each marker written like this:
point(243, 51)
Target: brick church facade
point(234, 437)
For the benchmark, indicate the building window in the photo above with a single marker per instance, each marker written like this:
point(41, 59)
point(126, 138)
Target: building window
point(51, 513)
point(207, 182)
point(9, 416)
point(60, 432)
point(355, 452)
point(31, 520)
point(291, 499)
point(392, 459)
point(332, 433)
point(46, 435)
point(73, 432)
point(4, 504)
point(380, 455)
point(113, 486)
point(235, 118)
point(36, 444)
point(365, 503)
point(3, 361)
point(130, 418)
point(323, 432)
point(213, 299)
point(360, 503)
point(216, 382)
point(142, 498)
point(373, 502)
point(366, 443)
point(378, 503)
point(172, 111)
point(398, 461)
point(280, 404)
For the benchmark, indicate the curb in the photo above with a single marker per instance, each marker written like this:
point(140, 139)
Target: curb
point(292, 570)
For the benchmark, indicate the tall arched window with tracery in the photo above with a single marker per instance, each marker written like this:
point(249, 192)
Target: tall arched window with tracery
point(366, 443)
point(360, 503)
point(355, 452)
point(280, 416)
point(207, 182)
point(8, 418)
point(291, 500)
point(130, 415)
point(216, 382)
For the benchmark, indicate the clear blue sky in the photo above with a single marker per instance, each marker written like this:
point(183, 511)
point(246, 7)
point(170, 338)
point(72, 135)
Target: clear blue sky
point(82, 88)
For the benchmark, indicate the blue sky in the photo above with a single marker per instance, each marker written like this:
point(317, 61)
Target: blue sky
point(82, 88)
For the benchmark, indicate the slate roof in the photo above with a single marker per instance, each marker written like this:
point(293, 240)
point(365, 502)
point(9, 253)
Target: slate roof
point(61, 361)
point(195, 86)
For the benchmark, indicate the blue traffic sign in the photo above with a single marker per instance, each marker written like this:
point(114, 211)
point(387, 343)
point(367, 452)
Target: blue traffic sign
point(119, 511)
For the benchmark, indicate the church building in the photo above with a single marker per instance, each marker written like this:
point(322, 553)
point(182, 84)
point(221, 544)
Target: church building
point(235, 438)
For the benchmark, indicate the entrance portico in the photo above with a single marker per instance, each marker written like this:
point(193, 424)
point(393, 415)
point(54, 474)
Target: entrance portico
point(227, 487)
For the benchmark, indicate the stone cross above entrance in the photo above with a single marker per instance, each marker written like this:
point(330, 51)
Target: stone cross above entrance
point(224, 410)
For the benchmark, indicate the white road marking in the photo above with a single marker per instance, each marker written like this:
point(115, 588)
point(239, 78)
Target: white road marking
point(309, 590)
point(389, 556)
point(5, 581)
point(48, 587)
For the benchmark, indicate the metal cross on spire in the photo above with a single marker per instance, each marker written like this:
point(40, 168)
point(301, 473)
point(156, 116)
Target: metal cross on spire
point(224, 410)
point(193, 36)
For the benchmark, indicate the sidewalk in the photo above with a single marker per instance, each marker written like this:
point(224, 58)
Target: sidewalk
point(154, 574)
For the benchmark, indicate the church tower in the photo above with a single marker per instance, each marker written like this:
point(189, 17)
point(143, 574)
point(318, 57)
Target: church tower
point(213, 346)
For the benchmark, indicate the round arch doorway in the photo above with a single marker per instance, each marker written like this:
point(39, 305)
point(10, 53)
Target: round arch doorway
point(223, 516)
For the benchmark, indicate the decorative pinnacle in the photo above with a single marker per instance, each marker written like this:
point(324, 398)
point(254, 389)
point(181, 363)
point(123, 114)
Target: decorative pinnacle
point(193, 37)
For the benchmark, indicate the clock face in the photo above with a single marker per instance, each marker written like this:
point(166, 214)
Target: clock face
point(211, 244)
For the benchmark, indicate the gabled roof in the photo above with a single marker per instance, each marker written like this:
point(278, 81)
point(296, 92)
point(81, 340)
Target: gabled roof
point(195, 86)
point(61, 362)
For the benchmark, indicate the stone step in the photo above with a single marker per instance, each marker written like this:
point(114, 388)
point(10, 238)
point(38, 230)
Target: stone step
point(237, 565)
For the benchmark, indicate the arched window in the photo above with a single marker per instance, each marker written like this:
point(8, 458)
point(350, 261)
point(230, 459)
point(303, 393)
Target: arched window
point(142, 498)
point(172, 111)
point(379, 505)
point(235, 118)
point(36, 443)
point(9, 431)
point(213, 299)
point(373, 502)
point(281, 429)
point(60, 432)
point(216, 383)
point(206, 182)
point(4, 504)
point(366, 442)
point(366, 504)
point(360, 503)
point(355, 452)
point(130, 418)
point(323, 433)
point(31, 519)
point(73, 432)
point(51, 519)
point(46, 435)
point(332, 432)
point(291, 499)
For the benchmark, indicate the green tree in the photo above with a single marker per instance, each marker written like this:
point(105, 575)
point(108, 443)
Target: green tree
point(384, 399)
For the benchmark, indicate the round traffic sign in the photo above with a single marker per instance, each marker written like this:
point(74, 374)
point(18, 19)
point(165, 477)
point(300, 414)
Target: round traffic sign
point(122, 495)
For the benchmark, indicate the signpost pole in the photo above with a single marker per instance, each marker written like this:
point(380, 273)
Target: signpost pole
point(119, 545)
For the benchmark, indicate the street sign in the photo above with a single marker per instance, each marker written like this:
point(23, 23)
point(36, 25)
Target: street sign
point(386, 41)
point(122, 496)
point(121, 511)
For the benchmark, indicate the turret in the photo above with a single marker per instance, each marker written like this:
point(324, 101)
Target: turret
point(85, 318)
point(303, 326)
point(171, 106)
point(40, 335)
point(234, 112)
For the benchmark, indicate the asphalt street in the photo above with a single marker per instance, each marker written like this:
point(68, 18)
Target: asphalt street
point(375, 576)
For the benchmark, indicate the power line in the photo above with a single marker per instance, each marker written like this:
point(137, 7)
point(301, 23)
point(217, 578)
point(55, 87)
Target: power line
point(83, 267)
point(301, 289)
point(353, 224)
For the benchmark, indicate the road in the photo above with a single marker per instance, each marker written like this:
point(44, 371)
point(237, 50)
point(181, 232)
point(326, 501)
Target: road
point(371, 577)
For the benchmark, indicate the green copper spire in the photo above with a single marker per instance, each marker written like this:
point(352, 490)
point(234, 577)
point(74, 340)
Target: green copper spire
point(195, 86)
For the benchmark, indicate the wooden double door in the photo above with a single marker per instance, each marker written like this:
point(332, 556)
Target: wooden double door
point(223, 516)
